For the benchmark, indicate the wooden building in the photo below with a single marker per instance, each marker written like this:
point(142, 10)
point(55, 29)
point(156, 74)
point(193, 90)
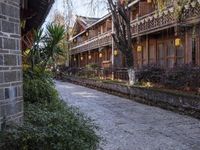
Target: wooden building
point(32, 14)
point(158, 37)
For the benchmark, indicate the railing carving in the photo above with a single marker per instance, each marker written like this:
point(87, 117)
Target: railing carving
point(143, 25)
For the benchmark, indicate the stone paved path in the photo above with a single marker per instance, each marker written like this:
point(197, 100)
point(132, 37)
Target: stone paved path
point(127, 125)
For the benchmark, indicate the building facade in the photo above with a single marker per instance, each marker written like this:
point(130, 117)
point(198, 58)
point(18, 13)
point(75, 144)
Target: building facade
point(11, 99)
point(157, 37)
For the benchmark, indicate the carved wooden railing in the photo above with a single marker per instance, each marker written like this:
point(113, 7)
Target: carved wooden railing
point(27, 40)
point(93, 43)
point(149, 23)
point(168, 18)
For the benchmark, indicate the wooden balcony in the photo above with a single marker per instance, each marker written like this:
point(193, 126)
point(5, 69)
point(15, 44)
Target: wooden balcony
point(93, 43)
point(147, 24)
point(166, 19)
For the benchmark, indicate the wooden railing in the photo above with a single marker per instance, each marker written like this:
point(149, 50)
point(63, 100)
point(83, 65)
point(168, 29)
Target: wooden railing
point(93, 43)
point(27, 40)
point(149, 23)
point(103, 73)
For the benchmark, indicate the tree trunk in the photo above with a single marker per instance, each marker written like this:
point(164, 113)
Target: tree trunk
point(130, 66)
point(131, 75)
point(122, 35)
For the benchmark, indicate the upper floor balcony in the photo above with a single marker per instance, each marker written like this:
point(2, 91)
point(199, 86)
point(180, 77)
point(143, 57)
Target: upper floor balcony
point(93, 43)
point(146, 24)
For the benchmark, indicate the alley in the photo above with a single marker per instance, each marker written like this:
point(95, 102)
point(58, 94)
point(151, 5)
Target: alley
point(128, 125)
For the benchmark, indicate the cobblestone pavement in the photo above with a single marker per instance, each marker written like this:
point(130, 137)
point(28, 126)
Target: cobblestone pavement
point(128, 125)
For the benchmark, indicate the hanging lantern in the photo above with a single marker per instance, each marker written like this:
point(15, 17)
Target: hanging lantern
point(100, 55)
point(74, 58)
point(149, 1)
point(81, 57)
point(139, 48)
point(193, 4)
point(89, 57)
point(177, 42)
point(87, 33)
point(115, 52)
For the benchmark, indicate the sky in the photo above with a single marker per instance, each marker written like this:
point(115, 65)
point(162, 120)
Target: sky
point(80, 7)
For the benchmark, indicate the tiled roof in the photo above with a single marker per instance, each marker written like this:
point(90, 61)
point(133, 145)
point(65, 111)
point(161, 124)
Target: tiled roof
point(87, 21)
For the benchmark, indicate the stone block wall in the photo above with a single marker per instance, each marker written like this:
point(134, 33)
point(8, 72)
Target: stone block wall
point(11, 100)
point(171, 100)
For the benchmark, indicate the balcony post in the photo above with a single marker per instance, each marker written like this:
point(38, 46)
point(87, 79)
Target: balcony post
point(113, 47)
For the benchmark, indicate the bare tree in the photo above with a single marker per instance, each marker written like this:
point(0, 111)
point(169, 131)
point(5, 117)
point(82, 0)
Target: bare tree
point(122, 33)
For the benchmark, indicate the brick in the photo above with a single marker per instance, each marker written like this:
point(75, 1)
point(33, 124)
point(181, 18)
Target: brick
point(8, 10)
point(1, 42)
point(1, 77)
point(19, 75)
point(8, 27)
point(10, 76)
point(19, 60)
point(7, 93)
point(2, 111)
point(1, 59)
point(10, 60)
point(14, 107)
point(17, 29)
point(19, 91)
point(9, 43)
point(2, 94)
point(0, 26)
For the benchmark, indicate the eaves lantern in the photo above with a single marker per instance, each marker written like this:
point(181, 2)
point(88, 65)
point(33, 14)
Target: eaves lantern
point(177, 42)
point(100, 55)
point(87, 33)
point(139, 48)
point(149, 1)
point(115, 52)
point(89, 57)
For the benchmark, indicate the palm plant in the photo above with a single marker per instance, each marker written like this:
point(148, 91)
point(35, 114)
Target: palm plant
point(34, 55)
point(55, 34)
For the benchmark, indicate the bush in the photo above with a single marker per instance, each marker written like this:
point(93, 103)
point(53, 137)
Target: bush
point(49, 124)
point(52, 127)
point(39, 87)
point(36, 90)
point(183, 76)
point(150, 73)
point(92, 66)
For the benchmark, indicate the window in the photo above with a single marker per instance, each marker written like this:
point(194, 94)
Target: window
point(170, 53)
point(161, 54)
point(152, 54)
point(180, 55)
point(139, 58)
point(145, 55)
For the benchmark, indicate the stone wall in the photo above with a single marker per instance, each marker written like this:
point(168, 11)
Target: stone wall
point(167, 99)
point(11, 100)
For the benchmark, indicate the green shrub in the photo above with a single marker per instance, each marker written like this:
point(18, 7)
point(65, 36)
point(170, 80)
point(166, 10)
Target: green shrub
point(92, 66)
point(49, 124)
point(183, 76)
point(52, 127)
point(39, 87)
point(37, 90)
point(151, 73)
